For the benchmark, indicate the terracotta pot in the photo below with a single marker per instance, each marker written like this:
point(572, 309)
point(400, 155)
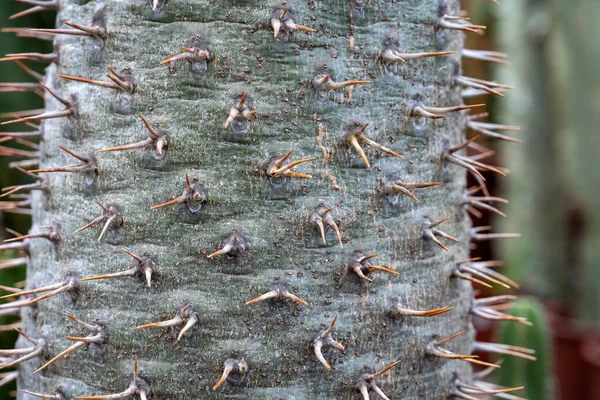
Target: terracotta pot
point(569, 364)
point(590, 352)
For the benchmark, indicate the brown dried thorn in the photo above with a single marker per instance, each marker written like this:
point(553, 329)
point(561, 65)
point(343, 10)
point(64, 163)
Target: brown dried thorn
point(325, 338)
point(276, 169)
point(277, 293)
point(392, 55)
point(40, 395)
point(228, 366)
point(427, 313)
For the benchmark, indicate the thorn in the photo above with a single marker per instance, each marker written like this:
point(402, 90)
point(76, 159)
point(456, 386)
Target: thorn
point(22, 206)
point(8, 377)
point(94, 31)
point(468, 269)
point(276, 170)
point(92, 339)
point(506, 349)
point(398, 310)
point(10, 289)
point(361, 267)
point(53, 234)
point(481, 202)
point(12, 263)
point(148, 273)
point(145, 269)
point(431, 233)
point(67, 112)
point(502, 391)
point(434, 348)
point(190, 323)
point(193, 195)
point(470, 83)
point(393, 55)
point(88, 165)
point(157, 139)
point(29, 339)
point(42, 396)
point(60, 355)
point(13, 352)
point(66, 285)
point(356, 136)
point(139, 385)
point(13, 232)
point(111, 217)
point(35, 75)
point(12, 152)
point(368, 382)
point(22, 247)
point(37, 133)
point(470, 164)
point(39, 5)
point(460, 23)
point(232, 366)
point(120, 274)
point(321, 215)
point(84, 325)
point(278, 293)
point(163, 324)
point(124, 81)
point(35, 162)
point(489, 129)
point(477, 236)
point(322, 81)
point(395, 186)
point(325, 338)
point(485, 55)
point(470, 93)
point(192, 54)
point(40, 184)
point(234, 245)
point(108, 223)
point(39, 348)
point(28, 33)
point(464, 391)
point(281, 21)
point(421, 110)
point(487, 308)
point(239, 111)
point(6, 87)
point(365, 258)
point(39, 57)
point(169, 203)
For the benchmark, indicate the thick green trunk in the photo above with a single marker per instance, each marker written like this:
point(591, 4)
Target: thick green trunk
point(273, 337)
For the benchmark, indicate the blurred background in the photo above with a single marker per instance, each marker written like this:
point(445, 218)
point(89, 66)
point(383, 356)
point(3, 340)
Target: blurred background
point(553, 187)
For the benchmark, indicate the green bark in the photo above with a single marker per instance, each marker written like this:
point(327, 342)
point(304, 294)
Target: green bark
point(273, 337)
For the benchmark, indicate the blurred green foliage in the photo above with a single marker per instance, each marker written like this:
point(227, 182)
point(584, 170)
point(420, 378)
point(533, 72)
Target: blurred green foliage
point(536, 376)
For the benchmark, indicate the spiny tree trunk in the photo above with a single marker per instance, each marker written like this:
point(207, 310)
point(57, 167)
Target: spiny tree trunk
point(275, 338)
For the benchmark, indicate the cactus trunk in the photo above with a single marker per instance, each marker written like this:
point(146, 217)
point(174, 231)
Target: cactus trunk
point(242, 190)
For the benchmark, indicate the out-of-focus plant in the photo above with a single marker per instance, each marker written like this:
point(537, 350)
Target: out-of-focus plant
point(554, 48)
point(536, 375)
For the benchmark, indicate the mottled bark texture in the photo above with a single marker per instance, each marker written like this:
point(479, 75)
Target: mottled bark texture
point(273, 337)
